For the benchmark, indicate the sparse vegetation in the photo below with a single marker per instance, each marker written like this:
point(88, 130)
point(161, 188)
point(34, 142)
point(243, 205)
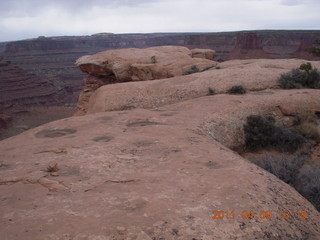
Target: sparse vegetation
point(258, 131)
point(286, 139)
point(211, 91)
point(261, 132)
point(308, 184)
point(207, 68)
point(308, 124)
point(237, 89)
point(304, 76)
point(293, 170)
point(306, 67)
point(292, 167)
point(193, 69)
point(284, 167)
point(153, 59)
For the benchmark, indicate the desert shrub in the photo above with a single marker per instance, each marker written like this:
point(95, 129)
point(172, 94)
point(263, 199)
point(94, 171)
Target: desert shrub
point(292, 79)
point(305, 76)
point(237, 89)
point(306, 67)
point(207, 68)
point(285, 167)
point(259, 131)
point(308, 124)
point(286, 139)
point(193, 69)
point(313, 79)
point(153, 59)
point(308, 184)
point(211, 91)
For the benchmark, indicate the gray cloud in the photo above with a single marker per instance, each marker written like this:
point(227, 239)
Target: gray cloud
point(21, 19)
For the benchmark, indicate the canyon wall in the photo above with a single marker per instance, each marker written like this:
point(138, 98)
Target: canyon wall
point(52, 58)
point(42, 70)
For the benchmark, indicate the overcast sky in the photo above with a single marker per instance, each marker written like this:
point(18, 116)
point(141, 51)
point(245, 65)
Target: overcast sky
point(21, 19)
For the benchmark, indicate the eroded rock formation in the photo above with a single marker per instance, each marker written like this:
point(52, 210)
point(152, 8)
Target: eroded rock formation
point(51, 59)
point(161, 172)
point(126, 65)
point(151, 174)
point(255, 75)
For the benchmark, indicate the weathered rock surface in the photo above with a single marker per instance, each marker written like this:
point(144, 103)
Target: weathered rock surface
point(157, 173)
point(51, 58)
point(150, 174)
point(203, 53)
point(135, 64)
point(254, 75)
point(125, 65)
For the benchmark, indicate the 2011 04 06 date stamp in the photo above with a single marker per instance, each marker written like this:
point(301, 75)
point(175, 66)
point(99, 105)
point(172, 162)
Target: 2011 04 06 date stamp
point(245, 214)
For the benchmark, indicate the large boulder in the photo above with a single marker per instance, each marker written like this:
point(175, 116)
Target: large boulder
point(133, 64)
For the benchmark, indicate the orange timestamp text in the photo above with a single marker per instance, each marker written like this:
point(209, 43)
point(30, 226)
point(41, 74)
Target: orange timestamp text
point(258, 214)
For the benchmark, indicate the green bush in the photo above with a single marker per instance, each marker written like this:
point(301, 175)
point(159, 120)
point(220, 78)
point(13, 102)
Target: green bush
point(306, 67)
point(287, 139)
point(261, 132)
point(237, 89)
point(193, 69)
point(285, 167)
point(305, 76)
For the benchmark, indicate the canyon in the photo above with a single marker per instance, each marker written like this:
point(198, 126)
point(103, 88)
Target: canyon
point(40, 73)
point(157, 158)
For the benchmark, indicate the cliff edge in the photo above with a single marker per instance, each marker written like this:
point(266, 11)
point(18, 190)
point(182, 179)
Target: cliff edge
point(161, 170)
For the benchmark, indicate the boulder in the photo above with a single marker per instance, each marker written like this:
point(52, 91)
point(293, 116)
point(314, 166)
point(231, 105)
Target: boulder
point(203, 53)
point(133, 64)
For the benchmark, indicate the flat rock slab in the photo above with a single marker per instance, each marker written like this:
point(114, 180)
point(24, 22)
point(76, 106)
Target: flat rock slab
point(150, 174)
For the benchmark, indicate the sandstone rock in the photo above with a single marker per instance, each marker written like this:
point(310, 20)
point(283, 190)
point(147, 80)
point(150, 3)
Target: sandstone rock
point(49, 61)
point(203, 53)
point(165, 170)
point(114, 66)
point(255, 75)
point(141, 64)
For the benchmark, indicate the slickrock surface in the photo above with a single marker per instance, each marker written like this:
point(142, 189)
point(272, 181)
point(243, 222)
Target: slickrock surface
point(133, 64)
point(253, 74)
point(150, 174)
